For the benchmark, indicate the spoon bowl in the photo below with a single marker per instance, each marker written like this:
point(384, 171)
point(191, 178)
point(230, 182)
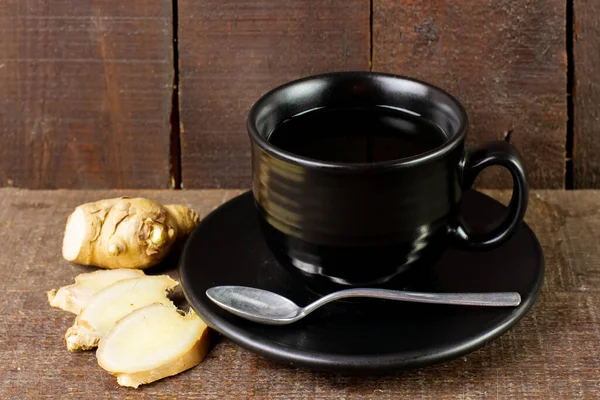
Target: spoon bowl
point(255, 304)
point(270, 308)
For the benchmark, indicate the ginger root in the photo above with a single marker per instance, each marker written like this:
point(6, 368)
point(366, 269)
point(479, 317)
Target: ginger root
point(74, 297)
point(114, 302)
point(125, 232)
point(152, 343)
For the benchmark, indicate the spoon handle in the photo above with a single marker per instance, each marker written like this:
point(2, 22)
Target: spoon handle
point(499, 299)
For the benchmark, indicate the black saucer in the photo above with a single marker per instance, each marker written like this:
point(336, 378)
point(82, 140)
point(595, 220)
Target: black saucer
point(362, 335)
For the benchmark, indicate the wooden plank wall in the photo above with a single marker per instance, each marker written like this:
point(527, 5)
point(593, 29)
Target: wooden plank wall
point(503, 59)
point(85, 93)
point(86, 87)
point(231, 52)
point(586, 94)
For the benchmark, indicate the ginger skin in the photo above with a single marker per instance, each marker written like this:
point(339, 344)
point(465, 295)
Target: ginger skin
point(125, 232)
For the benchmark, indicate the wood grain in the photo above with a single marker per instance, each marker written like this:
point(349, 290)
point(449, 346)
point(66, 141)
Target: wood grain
point(86, 93)
point(504, 59)
point(553, 353)
point(586, 94)
point(232, 52)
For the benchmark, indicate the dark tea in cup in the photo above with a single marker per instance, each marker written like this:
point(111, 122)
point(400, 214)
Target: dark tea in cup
point(360, 135)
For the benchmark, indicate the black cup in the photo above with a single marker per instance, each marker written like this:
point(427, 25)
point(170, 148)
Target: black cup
point(365, 224)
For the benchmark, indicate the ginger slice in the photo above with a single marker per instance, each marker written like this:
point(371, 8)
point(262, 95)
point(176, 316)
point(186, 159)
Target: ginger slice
point(152, 343)
point(74, 297)
point(113, 303)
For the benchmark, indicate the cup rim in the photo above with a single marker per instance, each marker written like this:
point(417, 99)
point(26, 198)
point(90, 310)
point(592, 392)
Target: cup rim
point(430, 155)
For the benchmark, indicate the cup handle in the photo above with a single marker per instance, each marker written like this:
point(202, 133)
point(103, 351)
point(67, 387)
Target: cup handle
point(503, 154)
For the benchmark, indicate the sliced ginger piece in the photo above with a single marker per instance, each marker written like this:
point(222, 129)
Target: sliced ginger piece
point(74, 297)
point(113, 303)
point(152, 343)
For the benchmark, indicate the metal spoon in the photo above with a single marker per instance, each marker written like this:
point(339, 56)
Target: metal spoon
point(270, 308)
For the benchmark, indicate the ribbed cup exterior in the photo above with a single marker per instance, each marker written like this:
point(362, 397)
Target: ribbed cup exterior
point(345, 207)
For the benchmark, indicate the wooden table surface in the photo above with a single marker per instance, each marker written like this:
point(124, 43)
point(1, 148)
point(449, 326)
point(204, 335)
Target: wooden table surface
point(554, 352)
